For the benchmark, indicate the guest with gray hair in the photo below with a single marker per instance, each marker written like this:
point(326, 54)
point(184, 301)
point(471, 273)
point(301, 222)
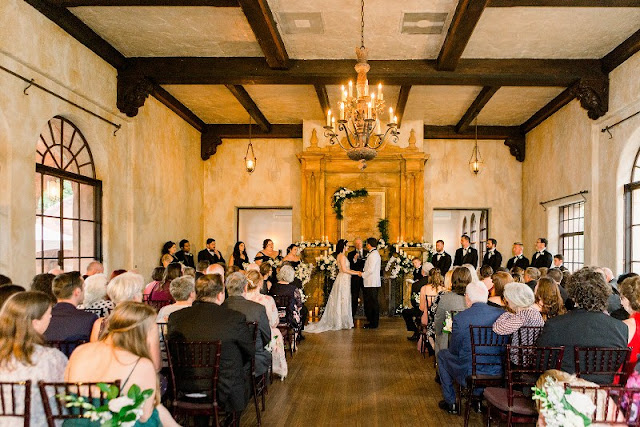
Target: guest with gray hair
point(283, 287)
point(236, 286)
point(189, 271)
point(183, 290)
point(94, 267)
point(95, 296)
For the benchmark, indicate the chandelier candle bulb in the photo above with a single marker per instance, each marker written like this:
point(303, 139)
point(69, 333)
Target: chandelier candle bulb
point(369, 110)
point(390, 114)
point(333, 122)
point(395, 119)
point(378, 128)
point(350, 89)
point(329, 118)
point(380, 91)
point(344, 94)
point(342, 110)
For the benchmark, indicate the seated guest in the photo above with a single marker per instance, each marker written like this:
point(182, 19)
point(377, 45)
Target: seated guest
point(531, 276)
point(236, 285)
point(484, 275)
point(417, 269)
point(283, 287)
point(94, 267)
point(189, 271)
point(557, 276)
point(116, 273)
point(265, 271)
point(95, 295)
point(587, 325)
point(239, 256)
point(183, 290)
point(216, 269)
point(520, 300)
point(201, 267)
point(558, 262)
point(548, 299)
point(518, 274)
point(279, 360)
point(429, 293)
point(184, 255)
point(23, 320)
point(411, 314)
point(450, 302)
point(161, 291)
point(122, 355)
point(67, 322)
point(454, 363)
point(6, 291)
point(165, 260)
point(157, 278)
point(543, 271)
point(499, 280)
point(207, 320)
point(43, 283)
point(630, 298)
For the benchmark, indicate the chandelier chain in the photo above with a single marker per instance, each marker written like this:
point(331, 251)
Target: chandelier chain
point(362, 23)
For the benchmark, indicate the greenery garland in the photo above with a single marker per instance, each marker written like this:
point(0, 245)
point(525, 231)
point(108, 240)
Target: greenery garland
point(343, 194)
point(383, 228)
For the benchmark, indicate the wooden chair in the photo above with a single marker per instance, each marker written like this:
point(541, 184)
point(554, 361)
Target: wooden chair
point(284, 312)
point(258, 383)
point(601, 365)
point(66, 347)
point(53, 392)
point(10, 394)
point(511, 403)
point(422, 329)
point(614, 405)
point(527, 335)
point(195, 362)
point(487, 350)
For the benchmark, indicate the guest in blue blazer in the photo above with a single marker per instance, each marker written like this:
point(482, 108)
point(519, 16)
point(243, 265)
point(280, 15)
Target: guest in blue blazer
point(454, 363)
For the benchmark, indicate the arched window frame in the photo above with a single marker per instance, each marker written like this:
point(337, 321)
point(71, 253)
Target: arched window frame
point(465, 230)
point(484, 226)
point(474, 231)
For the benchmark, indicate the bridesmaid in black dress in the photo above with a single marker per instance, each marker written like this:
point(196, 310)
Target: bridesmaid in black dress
point(268, 254)
point(170, 248)
point(293, 259)
point(239, 257)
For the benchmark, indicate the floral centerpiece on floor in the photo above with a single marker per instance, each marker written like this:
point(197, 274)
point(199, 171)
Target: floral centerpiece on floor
point(398, 263)
point(342, 194)
point(328, 265)
point(303, 272)
point(562, 407)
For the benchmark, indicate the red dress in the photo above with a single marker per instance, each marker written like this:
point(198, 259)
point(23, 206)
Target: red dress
point(634, 345)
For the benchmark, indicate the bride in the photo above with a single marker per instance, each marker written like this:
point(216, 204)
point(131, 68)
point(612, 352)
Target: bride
point(337, 312)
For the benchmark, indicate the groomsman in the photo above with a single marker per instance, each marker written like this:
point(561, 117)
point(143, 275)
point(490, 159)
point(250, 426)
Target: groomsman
point(466, 254)
point(542, 257)
point(441, 260)
point(518, 260)
point(417, 269)
point(492, 257)
point(184, 255)
point(356, 258)
point(558, 262)
point(210, 253)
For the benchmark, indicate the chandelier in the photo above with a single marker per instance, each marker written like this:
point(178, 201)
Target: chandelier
point(250, 157)
point(357, 127)
point(475, 162)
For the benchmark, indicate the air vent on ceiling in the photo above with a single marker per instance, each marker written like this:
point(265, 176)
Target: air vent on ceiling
point(423, 22)
point(301, 22)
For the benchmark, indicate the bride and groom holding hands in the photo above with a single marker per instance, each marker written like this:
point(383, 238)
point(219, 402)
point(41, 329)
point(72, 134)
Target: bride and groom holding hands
point(338, 310)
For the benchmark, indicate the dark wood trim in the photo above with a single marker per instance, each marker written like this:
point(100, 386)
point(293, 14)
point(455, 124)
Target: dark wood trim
point(266, 31)
point(403, 97)
point(470, 72)
point(563, 3)
point(177, 107)
point(120, 3)
point(212, 135)
point(484, 132)
point(548, 110)
point(478, 104)
point(323, 98)
point(244, 98)
point(80, 31)
point(622, 52)
point(464, 20)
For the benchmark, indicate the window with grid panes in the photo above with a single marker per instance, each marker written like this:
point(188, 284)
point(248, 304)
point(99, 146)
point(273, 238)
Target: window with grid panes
point(632, 220)
point(465, 231)
point(474, 231)
point(483, 234)
point(572, 235)
point(68, 200)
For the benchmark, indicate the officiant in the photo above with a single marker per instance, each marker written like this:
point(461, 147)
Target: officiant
point(356, 258)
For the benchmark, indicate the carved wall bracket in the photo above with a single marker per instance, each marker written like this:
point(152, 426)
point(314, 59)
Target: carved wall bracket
point(132, 93)
point(593, 95)
point(516, 146)
point(209, 142)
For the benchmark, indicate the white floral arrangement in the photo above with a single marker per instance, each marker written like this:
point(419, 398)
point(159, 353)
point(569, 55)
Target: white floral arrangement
point(312, 244)
point(416, 298)
point(402, 307)
point(424, 245)
point(303, 272)
point(303, 296)
point(562, 407)
point(381, 244)
point(328, 265)
point(399, 262)
point(342, 194)
point(275, 263)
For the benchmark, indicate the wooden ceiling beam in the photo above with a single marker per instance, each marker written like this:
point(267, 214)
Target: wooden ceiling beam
point(266, 31)
point(212, 135)
point(245, 100)
point(470, 72)
point(464, 20)
point(403, 97)
point(478, 104)
point(177, 107)
point(484, 132)
point(563, 3)
point(323, 98)
point(621, 53)
point(548, 110)
point(120, 3)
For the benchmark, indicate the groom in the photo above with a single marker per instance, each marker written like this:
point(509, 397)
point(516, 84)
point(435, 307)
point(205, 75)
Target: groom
point(371, 279)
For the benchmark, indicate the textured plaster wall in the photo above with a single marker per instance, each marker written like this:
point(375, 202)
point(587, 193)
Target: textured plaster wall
point(227, 186)
point(151, 171)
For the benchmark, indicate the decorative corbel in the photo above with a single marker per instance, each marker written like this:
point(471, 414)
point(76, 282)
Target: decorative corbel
point(516, 146)
point(593, 95)
point(132, 93)
point(209, 142)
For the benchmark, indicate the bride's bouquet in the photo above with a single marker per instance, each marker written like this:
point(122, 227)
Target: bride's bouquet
point(328, 265)
point(303, 272)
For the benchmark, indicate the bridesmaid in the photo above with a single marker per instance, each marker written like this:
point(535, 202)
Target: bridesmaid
point(169, 248)
point(268, 254)
point(239, 256)
point(293, 257)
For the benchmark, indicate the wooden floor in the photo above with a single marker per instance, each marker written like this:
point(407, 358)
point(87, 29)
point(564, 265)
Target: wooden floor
point(357, 377)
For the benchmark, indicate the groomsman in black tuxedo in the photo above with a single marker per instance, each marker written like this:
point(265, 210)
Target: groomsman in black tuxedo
point(356, 258)
point(441, 260)
point(466, 254)
point(492, 257)
point(210, 253)
point(184, 255)
point(518, 260)
point(541, 257)
point(417, 269)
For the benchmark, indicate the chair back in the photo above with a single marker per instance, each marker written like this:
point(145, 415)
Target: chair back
point(602, 365)
point(162, 334)
point(196, 363)
point(487, 350)
point(253, 328)
point(614, 405)
point(55, 405)
point(283, 304)
point(158, 304)
point(97, 311)
point(11, 394)
point(66, 347)
point(531, 363)
point(527, 335)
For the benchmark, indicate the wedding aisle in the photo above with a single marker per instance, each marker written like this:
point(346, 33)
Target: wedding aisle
point(357, 378)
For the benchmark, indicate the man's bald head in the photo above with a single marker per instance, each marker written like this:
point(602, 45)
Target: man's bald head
point(216, 269)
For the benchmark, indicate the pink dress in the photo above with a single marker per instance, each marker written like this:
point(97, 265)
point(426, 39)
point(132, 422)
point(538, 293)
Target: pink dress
point(279, 361)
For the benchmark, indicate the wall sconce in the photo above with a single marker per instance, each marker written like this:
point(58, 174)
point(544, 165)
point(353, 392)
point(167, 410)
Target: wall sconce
point(250, 157)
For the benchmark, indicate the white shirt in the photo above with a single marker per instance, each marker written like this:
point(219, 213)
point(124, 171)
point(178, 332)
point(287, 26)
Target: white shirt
point(371, 273)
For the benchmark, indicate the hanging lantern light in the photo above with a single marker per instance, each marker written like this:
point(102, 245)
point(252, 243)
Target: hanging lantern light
point(250, 157)
point(475, 162)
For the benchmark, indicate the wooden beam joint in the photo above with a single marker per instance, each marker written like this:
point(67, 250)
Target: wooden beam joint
point(593, 95)
point(132, 93)
point(244, 98)
point(517, 146)
point(481, 100)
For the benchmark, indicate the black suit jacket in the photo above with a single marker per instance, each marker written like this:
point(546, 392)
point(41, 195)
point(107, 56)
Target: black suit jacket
point(544, 260)
point(204, 255)
point(523, 263)
point(357, 266)
point(415, 289)
point(470, 258)
point(444, 263)
point(584, 329)
point(494, 261)
point(69, 324)
point(206, 321)
point(255, 313)
point(186, 259)
point(417, 273)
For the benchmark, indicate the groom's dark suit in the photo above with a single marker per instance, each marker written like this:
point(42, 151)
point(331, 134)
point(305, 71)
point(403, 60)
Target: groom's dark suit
point(356, 281)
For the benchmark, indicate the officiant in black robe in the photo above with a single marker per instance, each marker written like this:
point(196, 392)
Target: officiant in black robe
point(356, 259)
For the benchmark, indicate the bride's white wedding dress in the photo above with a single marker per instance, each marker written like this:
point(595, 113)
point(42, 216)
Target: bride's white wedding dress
point(337, 312)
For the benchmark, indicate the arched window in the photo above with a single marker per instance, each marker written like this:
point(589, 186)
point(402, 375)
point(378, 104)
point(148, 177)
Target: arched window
point(465, 229)
point(474, 231)
point(68, 199)
point(632, 220)
point(483, 233)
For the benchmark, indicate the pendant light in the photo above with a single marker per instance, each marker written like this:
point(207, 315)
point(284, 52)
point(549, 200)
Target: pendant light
point(250, 157)
point(475, 162)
